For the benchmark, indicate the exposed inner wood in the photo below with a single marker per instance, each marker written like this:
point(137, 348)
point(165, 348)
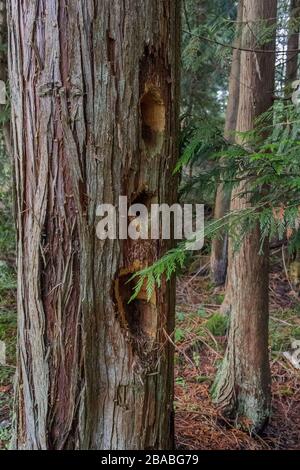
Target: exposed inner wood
point(153, 113)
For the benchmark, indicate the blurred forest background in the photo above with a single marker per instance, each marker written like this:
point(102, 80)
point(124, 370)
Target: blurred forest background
point(213, 162)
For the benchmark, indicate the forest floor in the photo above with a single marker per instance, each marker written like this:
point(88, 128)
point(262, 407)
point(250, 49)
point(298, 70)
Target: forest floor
point(8, 326)
point(201, 340)
point(200, 337)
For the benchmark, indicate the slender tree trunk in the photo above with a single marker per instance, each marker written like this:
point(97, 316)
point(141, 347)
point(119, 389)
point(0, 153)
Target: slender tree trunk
point(292, 60)
point(242, 386)
point(94, 116)
point(293, 43)
point(4, 75)
point(219, 248)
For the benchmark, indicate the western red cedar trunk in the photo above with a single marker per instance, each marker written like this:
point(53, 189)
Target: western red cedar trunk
point(219, 248)
point(242, 387)
point(94, 90)
point(293, 43)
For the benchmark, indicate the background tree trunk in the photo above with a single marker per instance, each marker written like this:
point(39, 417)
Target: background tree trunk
point(219, 248)
point(292, 59)
point(242, 387)
point(94, 115)
point(293, 44)
point(4, 75)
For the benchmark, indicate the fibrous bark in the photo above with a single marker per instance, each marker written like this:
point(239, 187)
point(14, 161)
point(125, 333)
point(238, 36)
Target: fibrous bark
point(94, 116)
point(242, 386)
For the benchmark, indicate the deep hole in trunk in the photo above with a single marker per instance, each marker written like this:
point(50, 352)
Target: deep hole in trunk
point(153, 115)
point(139, 315)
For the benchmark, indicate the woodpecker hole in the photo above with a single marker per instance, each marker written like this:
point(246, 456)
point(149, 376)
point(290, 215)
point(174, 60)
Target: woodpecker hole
point(153, 115)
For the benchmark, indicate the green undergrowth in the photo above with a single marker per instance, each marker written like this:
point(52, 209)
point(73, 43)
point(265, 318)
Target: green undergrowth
point(8, 333)
point(284, 328)
point(201, 328)
point(196, 332)
point(8, 286)
point(8, 328)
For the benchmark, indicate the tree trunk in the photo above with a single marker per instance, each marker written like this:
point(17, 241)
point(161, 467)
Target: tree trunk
point(293, 44)
point(94, 116)
point(4, 75)
point(291, 73)
point(219, 248)
point(242, 386)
